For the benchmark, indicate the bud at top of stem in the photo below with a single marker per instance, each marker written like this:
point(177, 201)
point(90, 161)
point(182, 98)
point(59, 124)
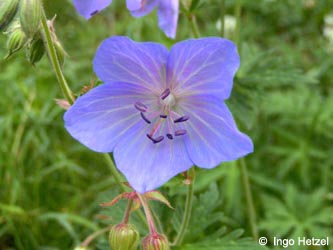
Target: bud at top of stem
point(155, 242)
point(124, 237)
point(16, 39)
point(30, 16)
point(35, 50)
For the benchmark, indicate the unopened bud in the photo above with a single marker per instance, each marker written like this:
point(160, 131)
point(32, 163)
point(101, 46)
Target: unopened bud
point(8, 9)
point(35, 50)
point(30, 16)
point(155, 242)
point(16, 40)
point(124, 237)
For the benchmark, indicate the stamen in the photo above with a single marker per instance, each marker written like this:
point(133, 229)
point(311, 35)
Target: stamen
point(181, 119)
point(163, 116)
point(94, 13)
point(165, 94)
point(158, 139)
point(170, 136)
point(180, 132)
point(155, 140)
point(145, 118)
point(140, 106)
point(150, 137)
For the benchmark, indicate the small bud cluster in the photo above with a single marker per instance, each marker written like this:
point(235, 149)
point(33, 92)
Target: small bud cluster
point(24, 31)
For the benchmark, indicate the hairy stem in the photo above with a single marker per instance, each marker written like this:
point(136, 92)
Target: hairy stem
point(128, 211)
point(188, 210)
point(54, 60)
point(249, 198)
point(149, 216)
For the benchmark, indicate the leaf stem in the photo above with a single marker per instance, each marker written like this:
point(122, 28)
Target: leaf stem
point(188, 210)
point(249, 198)
point(54, 60)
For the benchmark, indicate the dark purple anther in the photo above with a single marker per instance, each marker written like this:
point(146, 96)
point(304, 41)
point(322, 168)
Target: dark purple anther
point(165, 94)
point(140, 106)
point(170, 136)
point(145, 118)
point(158, 139)
point(150, 137)
point(181, 119)
point(155, 140)
point(180, 132)
point(94, 13)
point(163, 116)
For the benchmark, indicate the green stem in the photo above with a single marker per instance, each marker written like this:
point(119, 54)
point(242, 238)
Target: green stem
point(149, 216)
point(194, 26)
point(192, 20)
point(188, 211)
point(54, 60)
point(114, 172)
point(249, 198)
point(222, 9)
point(238, 12)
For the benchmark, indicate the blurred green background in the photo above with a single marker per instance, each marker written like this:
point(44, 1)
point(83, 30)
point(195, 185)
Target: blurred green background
point(51, 186)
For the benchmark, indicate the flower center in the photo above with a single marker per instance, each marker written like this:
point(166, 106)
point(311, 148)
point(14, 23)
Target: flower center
point(165, 121)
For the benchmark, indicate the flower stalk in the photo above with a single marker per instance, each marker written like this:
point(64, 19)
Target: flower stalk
point(54, 59)
point(149, 216)
point(188, 210)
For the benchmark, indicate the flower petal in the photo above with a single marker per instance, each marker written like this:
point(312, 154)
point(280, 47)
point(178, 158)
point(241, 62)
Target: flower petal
point(139, 8)
point(213, 136)
point(120, 59)
point(203, 66)
point(88, 8)
point(168, 17)
point(100, 118)
point(146, 165)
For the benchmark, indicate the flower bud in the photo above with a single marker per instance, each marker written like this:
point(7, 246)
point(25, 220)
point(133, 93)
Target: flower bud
point(35, 50)
point(8, 9)
point(30, 16)
point(124, 237)
point(16, 40)
point(155, 242)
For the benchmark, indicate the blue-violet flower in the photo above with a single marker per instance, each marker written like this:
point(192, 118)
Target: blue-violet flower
point(167, 11)
point(160, 112)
